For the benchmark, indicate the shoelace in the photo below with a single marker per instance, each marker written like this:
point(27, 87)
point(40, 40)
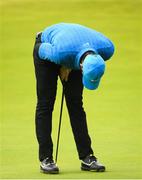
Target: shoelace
point(92, 158)
point(89, 160)
point(49, 161)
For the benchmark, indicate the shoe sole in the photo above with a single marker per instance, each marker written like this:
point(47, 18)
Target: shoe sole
point(49, 172)
point(93, 170)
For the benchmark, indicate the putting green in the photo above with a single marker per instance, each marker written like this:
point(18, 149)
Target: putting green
point(114, 111)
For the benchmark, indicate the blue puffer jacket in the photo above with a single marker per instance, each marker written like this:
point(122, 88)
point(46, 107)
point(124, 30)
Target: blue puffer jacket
point(65, 43)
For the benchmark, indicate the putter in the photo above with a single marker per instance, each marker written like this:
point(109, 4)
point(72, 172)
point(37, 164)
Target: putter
point(60, 118)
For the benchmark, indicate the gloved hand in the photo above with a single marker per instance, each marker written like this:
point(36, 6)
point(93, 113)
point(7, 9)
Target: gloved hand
point(64, 73)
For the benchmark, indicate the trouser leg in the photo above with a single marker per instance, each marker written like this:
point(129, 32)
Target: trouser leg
point(46, 85)
point(73, 95)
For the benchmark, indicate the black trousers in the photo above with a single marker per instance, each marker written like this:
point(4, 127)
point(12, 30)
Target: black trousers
point(46, 77)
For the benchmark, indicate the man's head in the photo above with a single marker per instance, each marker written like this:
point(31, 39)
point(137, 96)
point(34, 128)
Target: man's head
point(93, 69)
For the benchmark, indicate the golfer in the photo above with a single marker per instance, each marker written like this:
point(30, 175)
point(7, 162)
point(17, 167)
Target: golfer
point(76, 54)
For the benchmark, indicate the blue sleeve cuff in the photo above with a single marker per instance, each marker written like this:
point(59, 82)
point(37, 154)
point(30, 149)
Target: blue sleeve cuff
point(45, 51)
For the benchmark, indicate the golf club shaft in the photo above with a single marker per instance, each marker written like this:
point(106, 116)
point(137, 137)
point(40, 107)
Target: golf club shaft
point(60, 118)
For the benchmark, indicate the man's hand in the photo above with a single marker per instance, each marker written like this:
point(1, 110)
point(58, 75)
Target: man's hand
point(64, 73)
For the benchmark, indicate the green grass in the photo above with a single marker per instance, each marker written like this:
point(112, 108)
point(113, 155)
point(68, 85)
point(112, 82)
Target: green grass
point(114, 111)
